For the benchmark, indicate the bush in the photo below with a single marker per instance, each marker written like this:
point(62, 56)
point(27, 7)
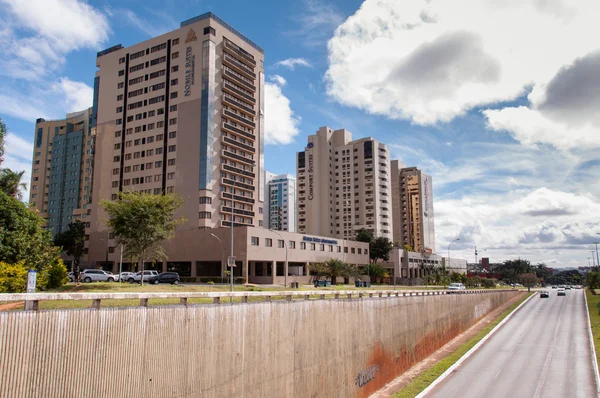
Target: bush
point(13, 278)
point(488, 283)
point(53, 276)
point(239, 280)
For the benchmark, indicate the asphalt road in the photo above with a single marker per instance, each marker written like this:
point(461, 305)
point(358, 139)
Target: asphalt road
point(542, 351)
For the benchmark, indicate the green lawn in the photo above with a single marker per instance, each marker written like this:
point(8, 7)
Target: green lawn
point(593, 301)
point(421, 382)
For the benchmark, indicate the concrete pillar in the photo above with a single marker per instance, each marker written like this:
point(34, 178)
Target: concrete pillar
point(164, 266)
point(253, 268)
point(194, 269)
point(273, 271)
point(245, 269)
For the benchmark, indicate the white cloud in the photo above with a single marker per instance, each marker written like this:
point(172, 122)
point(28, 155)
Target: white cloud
point(281, 124)
point(77, 96)
point(38, 33)
point(151, 28)
point(317, 21)
point(429, 62)
point(279, 80)
point(293, 62)
point(18, 158)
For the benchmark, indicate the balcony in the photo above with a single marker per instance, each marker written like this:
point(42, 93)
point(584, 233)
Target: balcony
point(236, 184)
point(237, 157)
point(225, 209)
point(235, 224)
point(225, 195)
point(245, 121)
point(232, 169)
point(238, 50)
point(239, 79)
point(235, 130)
point(237, 104)
point(239, 67)
point(238, 144)
point(229, 88)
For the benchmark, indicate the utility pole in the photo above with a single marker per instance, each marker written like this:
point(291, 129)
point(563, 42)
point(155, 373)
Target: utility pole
point(593, 260)
point(597, 259)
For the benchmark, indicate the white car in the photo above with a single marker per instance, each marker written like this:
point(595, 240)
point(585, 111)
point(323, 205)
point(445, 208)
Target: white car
point(138, 276)
point(561, 291)
point(456, 286)
point(126, 275)
point(97, 275)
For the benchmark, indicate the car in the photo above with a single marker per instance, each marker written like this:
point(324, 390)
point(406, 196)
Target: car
point(165, 277)
point(97, 275)
point(568, 287)
point(71, 276)
point(561, 291)
point(577, 287)
point(456, 286)
point(554, 287)
point(544, 294)
point(126, 275)
point(138, 276)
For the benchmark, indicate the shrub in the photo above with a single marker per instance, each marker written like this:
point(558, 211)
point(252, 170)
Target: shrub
point(488, 282)
point(13, 277)
point(239, 280)
point(55, 275)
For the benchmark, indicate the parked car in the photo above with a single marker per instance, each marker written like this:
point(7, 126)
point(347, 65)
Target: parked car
point(138, 276)
point(165, 277)
point(561, 291)
point(71, 276)
point(97, 275)
point(544, 294)
point(126, 275)
point(554, 287)
point(456, 286)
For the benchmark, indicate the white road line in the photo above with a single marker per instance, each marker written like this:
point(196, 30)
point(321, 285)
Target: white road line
point(592, 347)
point(471, 351)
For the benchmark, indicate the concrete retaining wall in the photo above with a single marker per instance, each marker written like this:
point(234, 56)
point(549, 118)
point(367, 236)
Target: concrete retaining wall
point(316, 348)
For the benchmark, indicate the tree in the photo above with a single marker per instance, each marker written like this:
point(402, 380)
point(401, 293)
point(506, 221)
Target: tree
point(542, 271)
point(592, 280)
point(375, 272)
point(72, 241)
point(511, 270)
point(24, 241)
point(380, 249)
point(455, 277)
point(408, 248)
point(10, 183)
point(529, 280)
point(364, 236)
point(3, 133)
point(141, 222)
point(333, 269)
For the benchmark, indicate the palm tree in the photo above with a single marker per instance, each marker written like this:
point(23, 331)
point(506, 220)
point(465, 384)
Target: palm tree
point(10, 183)
point(2, 139)
point(334, 268)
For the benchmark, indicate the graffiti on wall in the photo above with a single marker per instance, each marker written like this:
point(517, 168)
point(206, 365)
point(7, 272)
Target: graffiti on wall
point(366, 375)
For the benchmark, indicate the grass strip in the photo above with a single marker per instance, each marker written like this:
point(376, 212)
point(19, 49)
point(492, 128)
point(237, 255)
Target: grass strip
point(594, 311)
point(427, 377)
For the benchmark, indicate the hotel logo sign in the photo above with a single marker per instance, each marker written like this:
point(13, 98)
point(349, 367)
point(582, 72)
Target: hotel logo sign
point(191, 36)
point(310, 177)
point(190, 67)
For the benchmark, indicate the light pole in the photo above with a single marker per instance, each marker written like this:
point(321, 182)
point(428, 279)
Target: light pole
point(455, 240)
point(121, 264)
point(593, 259)
point(285, 267)
point(222, 252)
point(589, 262)
point(597, 259)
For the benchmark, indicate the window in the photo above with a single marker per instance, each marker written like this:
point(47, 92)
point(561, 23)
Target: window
point(280, 243)
point(313, 246)
point(208, 30)
point(172, 121)
point(174, 82)
point(120, 97)
point(171, 162)
point(205, 214)
point(172, 148)
point(117, 146)
point(117, 134)
point(119, 121)
point(322, 247)
point(158, 164)
point(359, 250)
point(173, 108)
point(292, 244)
point(116, 158)
point(175, 42)
point(352, 250)
point(157, 74)
point(254, 241)
point(155, 100)
point(172, 134)
point(175, 55)
point(170, 176)
point(121, 72)
point(174, 95)
point(134, 69)
point(174, 68)
point(158, 48)
point(120, 85)
point(136, 80)
point(268, 242)
point(137, 55)
point(115, 184)
point(302, 245)
point(205, 200)
point(158, 86)
point(339, 249)
point(157, 61)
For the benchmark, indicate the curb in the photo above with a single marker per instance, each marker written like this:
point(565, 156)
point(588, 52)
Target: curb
point(592, 347)
point(471, 351)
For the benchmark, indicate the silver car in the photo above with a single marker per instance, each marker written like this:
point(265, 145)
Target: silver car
point(97, 275)
point(126, 275)
point(456, 286)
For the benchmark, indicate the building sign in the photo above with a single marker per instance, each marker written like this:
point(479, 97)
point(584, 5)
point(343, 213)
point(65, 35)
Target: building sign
point(427, 250)
point(319, 240)
point(190, 64)
point(310, 177)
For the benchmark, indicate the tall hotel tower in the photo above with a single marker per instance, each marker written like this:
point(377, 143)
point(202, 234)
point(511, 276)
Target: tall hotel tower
point(344, 186)
point(184, 113)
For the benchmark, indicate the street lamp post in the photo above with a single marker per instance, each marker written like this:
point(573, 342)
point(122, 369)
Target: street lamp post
point(455, 240)
point(597, 259)
point(285, 267)
point(593, 259)
point(222, 252)
point(121, 264)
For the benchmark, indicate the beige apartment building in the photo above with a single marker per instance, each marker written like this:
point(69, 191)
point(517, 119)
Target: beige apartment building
point(62, 169)
point(184, 113)
point(413, 215)
point(343, 186)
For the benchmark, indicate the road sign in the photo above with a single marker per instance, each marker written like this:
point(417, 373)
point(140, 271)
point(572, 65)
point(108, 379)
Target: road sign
point(231, 261)
point(31, 278)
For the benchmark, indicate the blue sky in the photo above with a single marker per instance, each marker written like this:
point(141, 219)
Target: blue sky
point(504, 120)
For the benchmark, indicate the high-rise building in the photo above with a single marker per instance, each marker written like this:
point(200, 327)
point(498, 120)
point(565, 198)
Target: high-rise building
point(183, 112)
point(343, 185)
point(412, 196)
point(280, 202)
point(62, 168)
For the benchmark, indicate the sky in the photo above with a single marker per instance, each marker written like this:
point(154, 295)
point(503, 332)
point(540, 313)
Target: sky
point(496, 100)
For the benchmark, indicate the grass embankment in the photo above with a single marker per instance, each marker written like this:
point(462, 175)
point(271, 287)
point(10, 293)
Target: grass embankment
point(592, 301)
point(108, 287)
point(427, 377)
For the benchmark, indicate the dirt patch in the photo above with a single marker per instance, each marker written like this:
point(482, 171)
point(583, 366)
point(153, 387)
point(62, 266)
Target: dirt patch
point(402, 381)
point(12, 306)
